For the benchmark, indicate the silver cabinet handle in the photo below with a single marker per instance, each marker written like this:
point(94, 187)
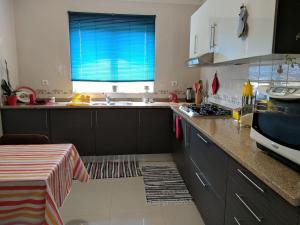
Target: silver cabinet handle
point(210, 38)
point(251, 181)
point(214, 35)
point(195, 44)
point(185, 136)
point(96, 118)
point(91, 119)
point(201, 181)
point(237, 221)
point(46, 119)
point(212, 41)
point(202, 138)
point(174, 121)
point(240, 198)
point(140, 124)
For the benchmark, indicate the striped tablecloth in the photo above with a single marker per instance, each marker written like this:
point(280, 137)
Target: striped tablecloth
point(35, 180)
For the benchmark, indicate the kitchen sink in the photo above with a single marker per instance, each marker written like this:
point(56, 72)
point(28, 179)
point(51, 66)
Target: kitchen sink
point(112, 103)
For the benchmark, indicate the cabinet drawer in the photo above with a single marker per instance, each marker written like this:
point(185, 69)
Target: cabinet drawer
point(263, 196)
point(211, 207)
point(212, 161)
point(243, 209)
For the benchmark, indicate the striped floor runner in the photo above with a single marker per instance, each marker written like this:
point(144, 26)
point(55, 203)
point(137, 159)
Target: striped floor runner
point(163, 184)
point(113, 169)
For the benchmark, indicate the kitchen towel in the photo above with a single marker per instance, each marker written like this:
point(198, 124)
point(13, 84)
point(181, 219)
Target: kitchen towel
point(215, 84)
point(243, 25)
point(178, 127)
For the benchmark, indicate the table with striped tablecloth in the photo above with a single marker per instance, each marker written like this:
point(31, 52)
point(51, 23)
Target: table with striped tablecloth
point(35, 180)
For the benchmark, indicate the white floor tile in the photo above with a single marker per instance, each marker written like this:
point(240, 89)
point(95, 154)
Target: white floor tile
point(128, 195)
point(146, 216)
point(181, 214)
point(88, 199)
point(86, 220)
point(122, 202)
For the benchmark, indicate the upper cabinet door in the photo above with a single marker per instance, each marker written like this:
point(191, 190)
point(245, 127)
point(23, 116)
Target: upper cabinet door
point(287, 39)
point(261, 20)
point(228, 45)
point(201, 31)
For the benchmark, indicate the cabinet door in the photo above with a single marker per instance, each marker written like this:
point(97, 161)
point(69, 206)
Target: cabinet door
point(181, 148)
point(287, 38)
point(211, 160)
point(116, 131)
point(261, 27)
point(212, 209)
point(74, 126)
point(27, 121)
point(155, 129)
point(228, 45)
point(200, 35)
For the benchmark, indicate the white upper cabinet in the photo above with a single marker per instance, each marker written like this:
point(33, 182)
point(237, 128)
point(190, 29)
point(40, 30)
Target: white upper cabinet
point(261, 22)
point(214, 28)
point(228, 45)
point(201, 35)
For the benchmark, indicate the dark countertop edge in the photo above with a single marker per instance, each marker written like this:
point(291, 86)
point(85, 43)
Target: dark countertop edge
point(264, 179)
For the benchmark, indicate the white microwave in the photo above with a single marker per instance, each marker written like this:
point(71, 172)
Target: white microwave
point(276, 123)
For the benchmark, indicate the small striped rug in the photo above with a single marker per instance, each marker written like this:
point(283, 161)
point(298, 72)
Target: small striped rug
point(113, 169)
point(163, 184)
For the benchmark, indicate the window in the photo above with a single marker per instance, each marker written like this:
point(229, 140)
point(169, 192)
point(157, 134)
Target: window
point(112, 48)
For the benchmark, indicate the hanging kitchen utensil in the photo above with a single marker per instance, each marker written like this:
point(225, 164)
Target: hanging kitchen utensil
point(242, 30)
point(6, 89)
point(7, 74)
point(215, 84)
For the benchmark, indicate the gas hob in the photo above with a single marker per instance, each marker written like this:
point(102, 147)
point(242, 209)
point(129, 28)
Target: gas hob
point(193, 110)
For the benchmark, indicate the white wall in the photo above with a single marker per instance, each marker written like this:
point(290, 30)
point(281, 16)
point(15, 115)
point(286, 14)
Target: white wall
point(233, 77)
point(7, 45)
point(8, 41)
point(43, 41)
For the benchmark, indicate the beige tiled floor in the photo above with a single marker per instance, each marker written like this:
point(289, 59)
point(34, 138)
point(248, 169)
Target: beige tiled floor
point(122, 202)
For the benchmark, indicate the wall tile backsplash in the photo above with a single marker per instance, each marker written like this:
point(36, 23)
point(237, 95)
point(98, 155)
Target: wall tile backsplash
point(65, 94)
point(232, 78)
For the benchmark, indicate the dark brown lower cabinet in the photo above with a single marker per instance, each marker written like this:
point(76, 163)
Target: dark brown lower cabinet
point(74, 126)
point(181, 148)
point(211, 207)
point(223, 190)
point(254, 202)
point(25, 121)
point(154, 130)
point(105, 131)
point(116, 131)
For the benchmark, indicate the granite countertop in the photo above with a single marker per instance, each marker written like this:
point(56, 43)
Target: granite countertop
point(236, 142)
point(101, 104)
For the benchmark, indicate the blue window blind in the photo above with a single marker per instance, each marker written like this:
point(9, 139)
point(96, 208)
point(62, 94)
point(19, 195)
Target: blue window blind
point(111, 47)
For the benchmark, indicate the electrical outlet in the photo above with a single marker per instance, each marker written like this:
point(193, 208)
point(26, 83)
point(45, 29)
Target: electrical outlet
point(174, 83)
point(45, 82)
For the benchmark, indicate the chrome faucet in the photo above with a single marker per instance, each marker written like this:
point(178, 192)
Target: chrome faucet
point(107, 99)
